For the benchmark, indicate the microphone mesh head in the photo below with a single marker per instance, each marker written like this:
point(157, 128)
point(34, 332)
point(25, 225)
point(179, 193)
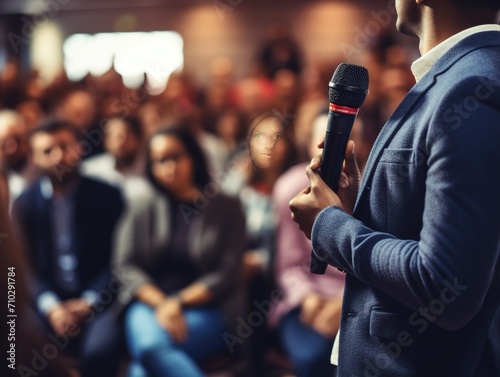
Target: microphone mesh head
point(349, 85)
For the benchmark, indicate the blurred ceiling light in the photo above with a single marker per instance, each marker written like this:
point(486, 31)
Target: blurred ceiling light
point(135, 56)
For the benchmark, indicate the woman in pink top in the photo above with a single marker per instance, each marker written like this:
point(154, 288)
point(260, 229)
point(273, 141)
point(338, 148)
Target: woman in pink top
point(308, 316)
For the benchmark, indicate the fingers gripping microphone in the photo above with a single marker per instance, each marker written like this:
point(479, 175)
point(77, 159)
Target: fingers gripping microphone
point(348, 90)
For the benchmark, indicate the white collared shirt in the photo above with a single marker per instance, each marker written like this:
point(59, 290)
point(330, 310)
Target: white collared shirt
point(422, 65)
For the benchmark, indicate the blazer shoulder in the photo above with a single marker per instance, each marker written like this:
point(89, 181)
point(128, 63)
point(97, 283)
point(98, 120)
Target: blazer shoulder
point(481, 50)
point(30, 194)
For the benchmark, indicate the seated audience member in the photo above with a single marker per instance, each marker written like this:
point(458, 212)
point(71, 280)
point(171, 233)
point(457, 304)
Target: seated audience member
point(214, 148)
point(80, 109)
point(271, 152)
point(31, 112)
point(181, 252)
point(66, 222)
point(14, 153)
point(149, 116)
point(308, 317)
point(27, 337)
point(123, 155)
point(230, 126)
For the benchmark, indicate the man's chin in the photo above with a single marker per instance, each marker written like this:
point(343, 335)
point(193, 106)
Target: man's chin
point(404, 29)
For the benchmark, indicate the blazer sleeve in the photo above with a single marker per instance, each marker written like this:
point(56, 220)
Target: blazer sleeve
point(458, 250)
point(231, 245)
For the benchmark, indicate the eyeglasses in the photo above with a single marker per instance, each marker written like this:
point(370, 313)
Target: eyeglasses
point(175, 157)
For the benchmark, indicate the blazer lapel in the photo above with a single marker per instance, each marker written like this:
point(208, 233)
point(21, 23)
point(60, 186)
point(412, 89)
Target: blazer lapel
point(392, 126)
point(397, 119)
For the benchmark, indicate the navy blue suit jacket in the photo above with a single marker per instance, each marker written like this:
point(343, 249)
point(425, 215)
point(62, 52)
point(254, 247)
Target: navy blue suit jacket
point(421, 252)
point(97, 209)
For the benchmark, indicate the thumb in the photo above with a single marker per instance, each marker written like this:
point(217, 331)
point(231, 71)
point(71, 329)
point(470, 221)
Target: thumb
point(350, 164)
point(321, 144)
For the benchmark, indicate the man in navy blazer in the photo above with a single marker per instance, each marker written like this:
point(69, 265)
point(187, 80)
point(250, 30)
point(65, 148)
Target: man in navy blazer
point(66, 223)
point(421, 247)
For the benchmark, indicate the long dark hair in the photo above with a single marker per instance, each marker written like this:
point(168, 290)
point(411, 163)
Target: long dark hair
point(201, 177)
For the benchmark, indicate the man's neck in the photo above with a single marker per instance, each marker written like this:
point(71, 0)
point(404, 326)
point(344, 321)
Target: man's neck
point(437, 29)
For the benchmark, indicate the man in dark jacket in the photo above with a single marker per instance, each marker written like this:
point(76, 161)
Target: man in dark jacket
point(66, 223)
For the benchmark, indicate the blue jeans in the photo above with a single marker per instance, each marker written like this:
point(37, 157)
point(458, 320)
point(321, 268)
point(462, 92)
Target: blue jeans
point(308, 351)
point(155, 353)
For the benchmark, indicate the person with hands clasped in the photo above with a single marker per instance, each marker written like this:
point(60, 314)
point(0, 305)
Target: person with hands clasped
point(65, 224)
point(180, 251)
point(421, 246)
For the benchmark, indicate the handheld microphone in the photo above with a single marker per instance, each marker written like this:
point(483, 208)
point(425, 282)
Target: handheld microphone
point(348, 90)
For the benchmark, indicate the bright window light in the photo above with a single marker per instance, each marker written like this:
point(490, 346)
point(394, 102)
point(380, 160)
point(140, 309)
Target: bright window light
point(151, 55)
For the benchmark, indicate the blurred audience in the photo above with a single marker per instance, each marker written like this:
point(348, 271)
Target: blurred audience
point(308, 317)
point(79, 108)
point(279, 51)
point(215, 150)
point(14, 160)
point(114, 125)
point(231, 128)
point(66, 224)
point(123, 162)
point(31, 111)
point(149, 116)
point(396, 79)
point(12, 84)
point(181, 252)
point(219, 93)
point(123, 156)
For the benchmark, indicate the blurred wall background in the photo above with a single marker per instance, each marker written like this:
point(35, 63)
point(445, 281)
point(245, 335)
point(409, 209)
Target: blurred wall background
point(325, 30)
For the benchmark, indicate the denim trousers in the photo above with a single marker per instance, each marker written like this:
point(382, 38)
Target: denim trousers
point(308, 350)
point(155, 354)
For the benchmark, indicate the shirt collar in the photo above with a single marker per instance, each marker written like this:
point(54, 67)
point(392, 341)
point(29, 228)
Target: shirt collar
point(47, 189)
point(422, 65)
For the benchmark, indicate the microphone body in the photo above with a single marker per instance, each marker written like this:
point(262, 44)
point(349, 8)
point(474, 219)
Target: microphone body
point(348, 90)
point(338, 132)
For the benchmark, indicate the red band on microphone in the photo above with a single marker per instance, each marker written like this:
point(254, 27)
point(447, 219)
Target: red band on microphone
point(343, 109)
